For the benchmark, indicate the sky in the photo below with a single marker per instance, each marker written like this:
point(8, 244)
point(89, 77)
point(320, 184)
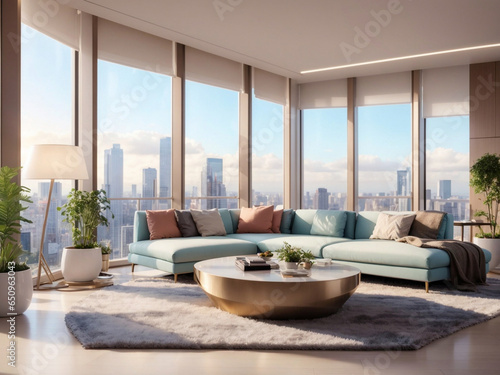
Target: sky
point(134, 110)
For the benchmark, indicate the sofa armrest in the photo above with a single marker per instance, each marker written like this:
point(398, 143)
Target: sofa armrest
point(141, 231)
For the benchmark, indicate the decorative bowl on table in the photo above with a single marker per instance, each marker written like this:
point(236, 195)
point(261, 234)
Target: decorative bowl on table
point(266, 255)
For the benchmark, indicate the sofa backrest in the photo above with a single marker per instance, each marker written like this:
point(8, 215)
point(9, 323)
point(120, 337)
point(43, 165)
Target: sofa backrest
point(141, 231)
point(303, 221)
point(366, 220)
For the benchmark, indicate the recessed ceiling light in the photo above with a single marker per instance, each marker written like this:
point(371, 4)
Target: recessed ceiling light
point(400, 58)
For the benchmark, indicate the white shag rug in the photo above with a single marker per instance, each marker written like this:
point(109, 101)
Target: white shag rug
point(383, 314)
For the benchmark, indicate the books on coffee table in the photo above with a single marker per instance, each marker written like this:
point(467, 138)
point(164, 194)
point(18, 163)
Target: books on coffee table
point(243, 264)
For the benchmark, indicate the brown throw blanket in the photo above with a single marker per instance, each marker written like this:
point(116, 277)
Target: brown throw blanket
point(467, 263)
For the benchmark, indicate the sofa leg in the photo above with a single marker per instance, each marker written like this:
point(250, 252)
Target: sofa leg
point(133, 266)
point(426, 287)
point(175, 277)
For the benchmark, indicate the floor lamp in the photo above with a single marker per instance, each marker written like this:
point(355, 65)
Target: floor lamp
point(53, 162)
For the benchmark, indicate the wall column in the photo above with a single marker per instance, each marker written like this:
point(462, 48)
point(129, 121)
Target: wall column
point(10, 84)
point(484, 117)
point(178, 133)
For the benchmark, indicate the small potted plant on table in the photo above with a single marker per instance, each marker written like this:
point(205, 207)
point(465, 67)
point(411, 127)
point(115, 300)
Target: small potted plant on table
point(84, 211)
point(106, 251)
point(307, 259)
point(289, 254)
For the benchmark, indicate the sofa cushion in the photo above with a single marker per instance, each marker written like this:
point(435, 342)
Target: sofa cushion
point(193, 249)
point(302, 221)
point(287, 220)
point(208, 222)
point(329, 223)
point(365, 223)
point(392, 227)
point(186, 223)
point(388, 253)
point(256, 220)
point(162, 224)
point(226, 219)
point(277, 215)
point(310, 242)
point(427, 224)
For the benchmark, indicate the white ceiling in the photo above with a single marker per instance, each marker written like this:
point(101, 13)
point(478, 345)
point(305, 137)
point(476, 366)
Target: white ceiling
point(290, 36)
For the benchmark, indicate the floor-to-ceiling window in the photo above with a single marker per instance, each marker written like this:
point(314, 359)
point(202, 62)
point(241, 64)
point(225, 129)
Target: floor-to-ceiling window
point(446, 113)
point(211, 142)
point(269, 97)
point(325, 158)
point(211, 147)
point(134, 142)
point(47, 116)
point(384, 123)
point(267, 152)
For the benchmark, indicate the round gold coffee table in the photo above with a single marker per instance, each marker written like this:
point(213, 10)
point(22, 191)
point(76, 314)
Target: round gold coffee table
point(268, 295)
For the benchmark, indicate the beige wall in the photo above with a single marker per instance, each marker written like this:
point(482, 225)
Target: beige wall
point(484, 115)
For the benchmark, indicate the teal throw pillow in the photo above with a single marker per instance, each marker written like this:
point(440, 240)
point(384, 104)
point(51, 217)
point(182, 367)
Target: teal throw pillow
point(329, 223)
point(286, 221)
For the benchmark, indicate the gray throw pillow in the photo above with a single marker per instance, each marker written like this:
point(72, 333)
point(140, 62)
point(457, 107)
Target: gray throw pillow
point(392, 227)
point(208, 222)
point(186, 223)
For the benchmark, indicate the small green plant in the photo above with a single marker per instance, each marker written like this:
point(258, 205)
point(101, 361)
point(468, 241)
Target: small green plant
point(307, 256)
point(485, 179)
point(84, 211)
point(11, 197)
point(105, 247)
point(289, 253)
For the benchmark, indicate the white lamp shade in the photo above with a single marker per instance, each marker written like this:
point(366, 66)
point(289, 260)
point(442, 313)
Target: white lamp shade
point(58, 162)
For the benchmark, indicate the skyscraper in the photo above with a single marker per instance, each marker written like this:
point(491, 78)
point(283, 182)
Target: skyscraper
point(321, 199)
point(212, 184)
point(404, 189)
point(149, 177)
point(113, 184)
point(444, 189)
point(165, 167)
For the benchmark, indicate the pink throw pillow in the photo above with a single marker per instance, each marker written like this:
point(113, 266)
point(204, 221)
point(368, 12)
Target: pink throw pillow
point(256, 220)
point(277, 214)
point(162, 224)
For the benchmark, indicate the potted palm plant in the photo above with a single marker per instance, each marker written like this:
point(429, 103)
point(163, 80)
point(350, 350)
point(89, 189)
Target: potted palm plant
point(16, 285)
point(84, 211)
point(485, 179)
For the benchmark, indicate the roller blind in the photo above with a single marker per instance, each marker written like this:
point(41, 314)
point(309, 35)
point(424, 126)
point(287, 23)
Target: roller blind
point(126, 46)
point(326, 94)
point(446, 91)
point(51, 18)
point(384, 89)
point(269, 86)
point(213, 70)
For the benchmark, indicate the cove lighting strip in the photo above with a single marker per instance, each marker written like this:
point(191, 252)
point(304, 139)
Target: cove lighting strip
point(400, 58)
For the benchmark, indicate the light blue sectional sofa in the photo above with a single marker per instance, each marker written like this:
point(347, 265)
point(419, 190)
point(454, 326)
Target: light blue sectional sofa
point(375, 257)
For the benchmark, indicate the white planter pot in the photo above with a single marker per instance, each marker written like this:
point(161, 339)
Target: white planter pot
point(493, 246)
point(81, 265)
point(291, 265)
point(23, 292)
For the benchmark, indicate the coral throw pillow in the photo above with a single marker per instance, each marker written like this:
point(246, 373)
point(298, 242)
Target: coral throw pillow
point(256, 220)
point(162, 224)
point(277, 214)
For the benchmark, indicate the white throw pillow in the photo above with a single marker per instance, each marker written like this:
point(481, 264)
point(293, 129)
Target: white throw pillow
point(392, 227)
point(208, 222)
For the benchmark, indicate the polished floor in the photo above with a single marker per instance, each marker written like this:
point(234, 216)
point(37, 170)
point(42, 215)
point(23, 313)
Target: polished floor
point(44, 346)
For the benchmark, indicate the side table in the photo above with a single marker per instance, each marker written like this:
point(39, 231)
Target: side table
point(465, 223)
